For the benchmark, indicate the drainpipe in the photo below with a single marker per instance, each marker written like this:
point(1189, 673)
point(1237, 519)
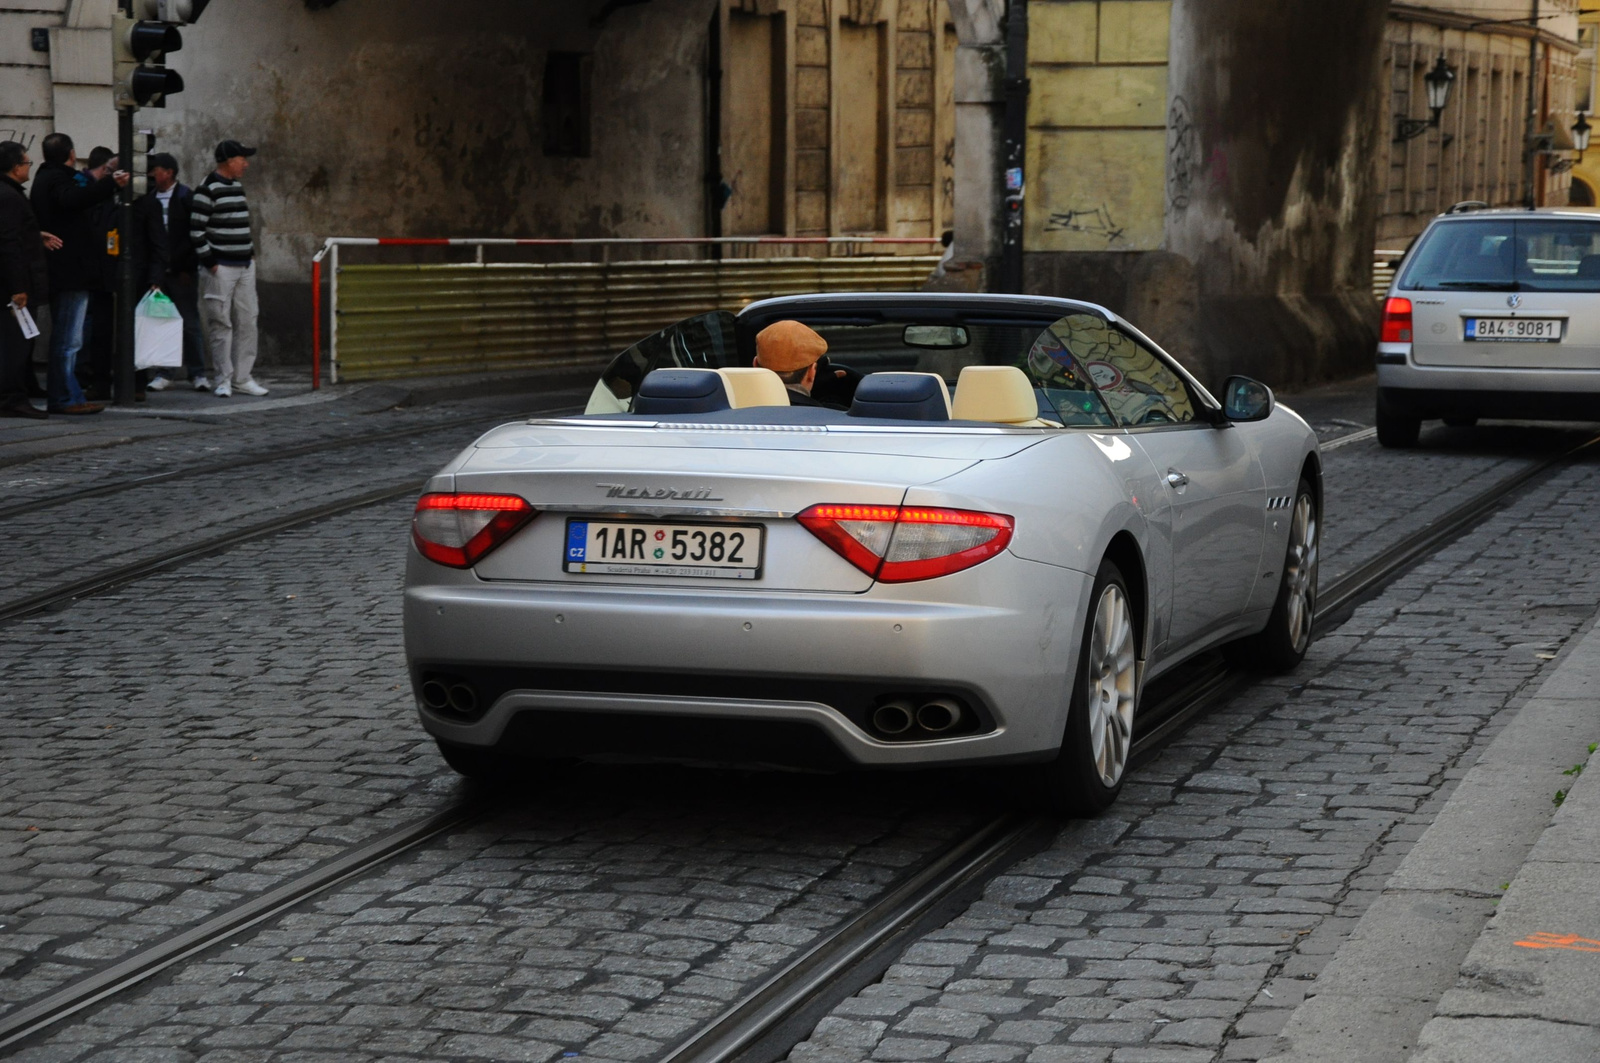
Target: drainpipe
point(1529, 197)
point(1014, 138)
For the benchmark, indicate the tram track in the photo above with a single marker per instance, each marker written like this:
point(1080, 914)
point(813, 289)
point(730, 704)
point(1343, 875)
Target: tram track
point(759, 1026)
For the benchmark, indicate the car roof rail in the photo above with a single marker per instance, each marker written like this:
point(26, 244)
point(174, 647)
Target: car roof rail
point(1466, 205)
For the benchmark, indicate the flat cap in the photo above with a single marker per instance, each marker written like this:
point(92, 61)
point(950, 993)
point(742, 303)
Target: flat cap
point(785, 346)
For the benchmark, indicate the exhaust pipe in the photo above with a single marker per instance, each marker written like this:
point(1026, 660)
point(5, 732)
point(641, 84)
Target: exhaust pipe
point(938, 715)
point(463, 698)
point(435, 695)
point(892, 718)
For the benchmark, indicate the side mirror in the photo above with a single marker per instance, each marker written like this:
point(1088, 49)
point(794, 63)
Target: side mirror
point(1244, 399)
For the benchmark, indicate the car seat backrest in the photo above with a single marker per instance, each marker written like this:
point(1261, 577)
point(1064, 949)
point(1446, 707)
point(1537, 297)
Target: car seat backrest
point(754, 386)
point(682, 391)
point(903, 396)
point(999, 393)
point(1589, 268)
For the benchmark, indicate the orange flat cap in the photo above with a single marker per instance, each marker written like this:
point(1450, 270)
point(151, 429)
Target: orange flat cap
point(785, 346)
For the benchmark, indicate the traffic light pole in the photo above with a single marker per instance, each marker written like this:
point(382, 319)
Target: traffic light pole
point(127, 294)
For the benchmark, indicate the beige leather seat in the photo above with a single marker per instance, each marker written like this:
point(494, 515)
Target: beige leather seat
point(754, 386)
point(999, 393)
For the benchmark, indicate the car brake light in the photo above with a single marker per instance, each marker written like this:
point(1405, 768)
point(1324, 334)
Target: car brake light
point(898, 544)
point(458, 530)
point(1396, 320)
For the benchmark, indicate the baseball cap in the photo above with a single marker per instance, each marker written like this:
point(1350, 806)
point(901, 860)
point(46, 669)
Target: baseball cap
point(162, 160)
point(229, 148)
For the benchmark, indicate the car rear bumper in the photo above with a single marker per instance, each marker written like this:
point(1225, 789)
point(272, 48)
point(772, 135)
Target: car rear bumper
point(1447, 391)
point(556, 660)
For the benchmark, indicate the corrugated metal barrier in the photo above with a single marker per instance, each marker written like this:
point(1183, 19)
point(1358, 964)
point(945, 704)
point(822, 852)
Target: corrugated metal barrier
point(414, 320)
point(1383, 267)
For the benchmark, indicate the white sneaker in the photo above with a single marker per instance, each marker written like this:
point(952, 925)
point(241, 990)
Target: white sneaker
point(250, 387)
point(158, 383)
point(224, 390)
point(202, 383)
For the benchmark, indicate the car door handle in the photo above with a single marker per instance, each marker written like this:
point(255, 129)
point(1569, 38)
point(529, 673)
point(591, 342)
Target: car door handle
point(1176, 479)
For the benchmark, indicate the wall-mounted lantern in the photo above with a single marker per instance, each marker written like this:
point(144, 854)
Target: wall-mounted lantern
point(1580, 134)
point(1438, 81)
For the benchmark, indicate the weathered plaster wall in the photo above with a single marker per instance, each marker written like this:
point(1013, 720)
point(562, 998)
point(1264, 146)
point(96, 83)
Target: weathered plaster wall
point(1265, 205)
point(404, 118)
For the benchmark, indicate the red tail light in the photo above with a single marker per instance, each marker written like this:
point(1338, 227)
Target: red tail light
point(1396, 320)
point(898, 544)
point(458, 530)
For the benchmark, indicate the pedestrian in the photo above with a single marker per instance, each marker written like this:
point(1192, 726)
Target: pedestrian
point(172, 202)
point(62, 198)
point(220, 229)
point(24, 278)
point(94, 364)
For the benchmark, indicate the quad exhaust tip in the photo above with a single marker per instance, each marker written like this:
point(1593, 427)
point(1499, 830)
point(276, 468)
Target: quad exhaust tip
point(938, 715)
point(904, 718)
point(445, 694)
point(893, 717)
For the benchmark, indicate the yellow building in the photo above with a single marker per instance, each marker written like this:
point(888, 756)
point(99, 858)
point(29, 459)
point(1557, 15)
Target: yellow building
point(1585, 190)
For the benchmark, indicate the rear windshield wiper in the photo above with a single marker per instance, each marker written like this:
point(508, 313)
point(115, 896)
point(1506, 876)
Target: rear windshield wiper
point(1483, 286)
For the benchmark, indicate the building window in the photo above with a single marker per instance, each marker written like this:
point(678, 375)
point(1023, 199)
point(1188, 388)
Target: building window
point(566, 104)
point(1585, 67)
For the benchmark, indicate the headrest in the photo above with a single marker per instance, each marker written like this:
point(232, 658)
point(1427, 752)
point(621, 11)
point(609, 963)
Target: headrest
point(754, 386)
point(905, 396)
point(682, 391)
point(999, 393)
point(1589, 268)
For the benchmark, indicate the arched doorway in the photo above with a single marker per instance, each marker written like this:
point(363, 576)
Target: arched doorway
point(1581, 194)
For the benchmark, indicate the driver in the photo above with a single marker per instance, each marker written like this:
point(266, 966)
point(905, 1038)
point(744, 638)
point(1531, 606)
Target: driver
point(792, 350)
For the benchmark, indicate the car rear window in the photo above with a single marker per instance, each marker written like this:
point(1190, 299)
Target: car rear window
point(1502, 254)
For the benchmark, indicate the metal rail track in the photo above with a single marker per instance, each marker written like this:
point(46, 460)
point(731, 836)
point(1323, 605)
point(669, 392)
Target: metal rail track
point(853, 954)
point(262, 458)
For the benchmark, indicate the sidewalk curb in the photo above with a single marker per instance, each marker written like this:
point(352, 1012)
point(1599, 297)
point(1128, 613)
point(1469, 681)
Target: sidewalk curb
point(1405, 955)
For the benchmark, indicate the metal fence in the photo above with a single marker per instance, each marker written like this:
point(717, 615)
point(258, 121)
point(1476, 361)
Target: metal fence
point(419, 319)
point(1383, 267)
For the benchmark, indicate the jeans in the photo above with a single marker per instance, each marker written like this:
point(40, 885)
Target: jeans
point(67, 313)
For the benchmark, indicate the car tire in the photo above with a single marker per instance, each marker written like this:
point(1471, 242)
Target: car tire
point(1395, 430)
point(1087, 774)
point(1460, 422)
point(1282, 644)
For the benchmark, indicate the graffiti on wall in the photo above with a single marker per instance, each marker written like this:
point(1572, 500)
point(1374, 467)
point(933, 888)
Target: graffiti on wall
point(1096, 222)
point(25, 139)
point(1183, 155)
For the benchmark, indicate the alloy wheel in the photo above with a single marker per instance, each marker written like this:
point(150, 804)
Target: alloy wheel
point(1110, 678)
point(1300, 573)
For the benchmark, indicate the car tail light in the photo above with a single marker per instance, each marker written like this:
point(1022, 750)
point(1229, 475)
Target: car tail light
point(897, 544)
point(1396, 320)
point(458, 530)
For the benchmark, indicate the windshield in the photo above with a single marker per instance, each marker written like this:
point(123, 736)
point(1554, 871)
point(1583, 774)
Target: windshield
point(1084, 370)
point(1501, 254)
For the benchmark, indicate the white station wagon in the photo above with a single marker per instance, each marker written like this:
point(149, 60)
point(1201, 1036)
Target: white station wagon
point(1493, 313)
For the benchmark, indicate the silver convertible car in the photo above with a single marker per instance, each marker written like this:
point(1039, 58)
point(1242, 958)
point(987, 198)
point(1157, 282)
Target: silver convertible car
point(991, 522)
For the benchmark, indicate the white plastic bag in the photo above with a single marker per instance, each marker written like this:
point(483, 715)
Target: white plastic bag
point(157, 333)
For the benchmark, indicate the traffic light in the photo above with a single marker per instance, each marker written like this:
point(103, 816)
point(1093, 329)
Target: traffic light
point(144, 142)
point(139, 50)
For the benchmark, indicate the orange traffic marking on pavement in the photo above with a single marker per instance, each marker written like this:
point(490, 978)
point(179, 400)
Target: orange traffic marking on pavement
point(1546, 940)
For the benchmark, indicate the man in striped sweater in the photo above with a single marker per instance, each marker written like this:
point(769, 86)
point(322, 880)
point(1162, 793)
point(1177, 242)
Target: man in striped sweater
point(219, 226)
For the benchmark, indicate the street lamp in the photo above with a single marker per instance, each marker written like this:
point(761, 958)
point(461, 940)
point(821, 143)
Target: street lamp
point(1438, 82)
point(1580, 134)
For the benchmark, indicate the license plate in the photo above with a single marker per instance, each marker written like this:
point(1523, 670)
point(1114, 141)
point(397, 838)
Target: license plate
point(638, 548)
point(1514, 329)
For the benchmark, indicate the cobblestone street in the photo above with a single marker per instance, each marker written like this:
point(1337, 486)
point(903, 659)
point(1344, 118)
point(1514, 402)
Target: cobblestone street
point(201, 736)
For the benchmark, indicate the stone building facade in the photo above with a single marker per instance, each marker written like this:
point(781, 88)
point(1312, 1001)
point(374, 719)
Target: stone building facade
point(1490, 147)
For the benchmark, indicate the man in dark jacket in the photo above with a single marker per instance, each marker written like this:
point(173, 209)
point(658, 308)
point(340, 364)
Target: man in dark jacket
point(94, 369)
point(62, 201)
point(23, 279)
point(169, 202)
